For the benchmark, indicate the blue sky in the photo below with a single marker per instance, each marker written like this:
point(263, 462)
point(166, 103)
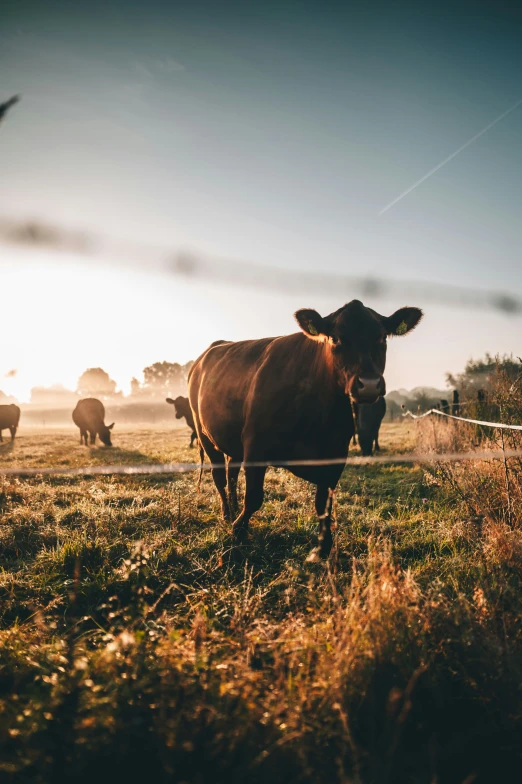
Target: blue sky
point(268, 132)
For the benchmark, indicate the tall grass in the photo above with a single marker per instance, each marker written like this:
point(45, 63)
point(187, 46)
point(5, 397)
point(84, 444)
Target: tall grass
point(136, 642)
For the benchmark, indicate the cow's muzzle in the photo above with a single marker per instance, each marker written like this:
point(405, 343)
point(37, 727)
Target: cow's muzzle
point(367, 390)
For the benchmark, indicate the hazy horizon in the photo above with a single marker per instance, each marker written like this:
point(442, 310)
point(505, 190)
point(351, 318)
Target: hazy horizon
point(275, 134)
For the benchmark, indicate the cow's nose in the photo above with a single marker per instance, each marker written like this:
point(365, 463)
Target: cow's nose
point(367, 390)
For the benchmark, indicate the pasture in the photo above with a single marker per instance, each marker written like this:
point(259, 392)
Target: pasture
point(137, 642)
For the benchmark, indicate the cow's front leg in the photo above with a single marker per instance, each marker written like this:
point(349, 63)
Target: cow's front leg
point(254, 494)
point(323, 507)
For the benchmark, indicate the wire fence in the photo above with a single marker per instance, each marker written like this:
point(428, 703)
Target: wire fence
point(198, 267)
point(359, 460)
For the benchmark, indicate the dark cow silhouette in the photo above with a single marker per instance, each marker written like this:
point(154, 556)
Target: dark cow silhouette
point(288, 399)
point(368, 419)
point(9, 419)
point(89, 416)
point(455, 406)
point(182, 409)
point(444, 406)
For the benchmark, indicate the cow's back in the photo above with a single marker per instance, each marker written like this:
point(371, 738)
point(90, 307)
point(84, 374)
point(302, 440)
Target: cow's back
point(9, 416)
point(89, 414)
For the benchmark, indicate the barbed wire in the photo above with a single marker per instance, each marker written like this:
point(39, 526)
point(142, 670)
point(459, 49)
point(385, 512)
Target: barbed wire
point(185, 468)
point(192, 266)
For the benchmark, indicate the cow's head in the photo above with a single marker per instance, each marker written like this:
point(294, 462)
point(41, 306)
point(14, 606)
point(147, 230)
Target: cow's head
point(181, 405)
point(105, 434)
point(357, 336)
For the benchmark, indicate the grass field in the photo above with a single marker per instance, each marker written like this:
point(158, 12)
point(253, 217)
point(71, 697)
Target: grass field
point(137, 642)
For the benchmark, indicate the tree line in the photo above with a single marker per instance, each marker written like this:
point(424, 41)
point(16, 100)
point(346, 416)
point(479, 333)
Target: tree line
point(160, 380)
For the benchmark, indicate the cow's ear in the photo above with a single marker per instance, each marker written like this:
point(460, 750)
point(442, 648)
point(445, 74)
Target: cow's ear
point(169, 400)
point(110, 426)
point(402, 321)
point(311, 322)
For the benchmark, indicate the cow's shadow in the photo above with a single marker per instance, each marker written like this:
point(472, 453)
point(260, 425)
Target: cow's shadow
point(6, 446)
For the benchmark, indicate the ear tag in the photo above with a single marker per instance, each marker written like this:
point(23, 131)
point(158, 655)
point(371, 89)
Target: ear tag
point(311, 329)
point(402, 328)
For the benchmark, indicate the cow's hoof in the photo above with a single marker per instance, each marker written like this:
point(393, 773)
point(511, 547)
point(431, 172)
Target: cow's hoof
point(240, 535)
point(315, 556)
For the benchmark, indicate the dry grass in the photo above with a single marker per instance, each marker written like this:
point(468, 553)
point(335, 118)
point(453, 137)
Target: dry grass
point(135, 641)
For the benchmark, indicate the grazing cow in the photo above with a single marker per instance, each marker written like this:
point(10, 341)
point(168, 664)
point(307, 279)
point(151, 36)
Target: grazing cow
point(182, 409)
point(9, 419)
point(368, 419)
point(288, 399)
point(88, 416)
point(444, 406)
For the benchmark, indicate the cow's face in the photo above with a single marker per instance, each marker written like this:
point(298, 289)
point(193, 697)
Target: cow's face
point(105, 434)
point(356, 336)
point(180, 405)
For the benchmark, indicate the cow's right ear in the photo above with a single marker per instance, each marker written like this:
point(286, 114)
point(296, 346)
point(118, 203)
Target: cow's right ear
point(312, 324)
point(169, 400)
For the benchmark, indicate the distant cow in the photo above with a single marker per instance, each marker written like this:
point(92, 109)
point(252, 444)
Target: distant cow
point(368, 419)
point(182, 409)
point(444, 406)
point(89, 416)
point(9, 419)
point(287, 398)
point(455, 406)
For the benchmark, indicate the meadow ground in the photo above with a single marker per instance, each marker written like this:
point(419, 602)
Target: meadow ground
point(136, 641)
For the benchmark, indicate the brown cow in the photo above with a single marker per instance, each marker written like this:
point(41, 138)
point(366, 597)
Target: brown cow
point(288, 399)
point(182, 409)
point(9, 419)
point(88, 416)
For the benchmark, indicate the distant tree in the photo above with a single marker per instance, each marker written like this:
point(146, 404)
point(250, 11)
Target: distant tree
point(479, 373)
point(95, 382)
point(186, 368)
point(163, 378)
point(135, 386)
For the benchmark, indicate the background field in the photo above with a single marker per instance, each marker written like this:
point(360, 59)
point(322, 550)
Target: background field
point(135, 641)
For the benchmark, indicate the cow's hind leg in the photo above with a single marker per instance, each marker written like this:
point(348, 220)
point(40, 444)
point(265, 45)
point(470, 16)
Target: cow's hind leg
point(219, 473)
point(323, 507)
point(233, 469)
point(254, 494)
point(377, 447)
point(193, 437)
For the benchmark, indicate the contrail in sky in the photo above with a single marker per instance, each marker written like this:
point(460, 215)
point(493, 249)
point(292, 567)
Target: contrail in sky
point(450, 157)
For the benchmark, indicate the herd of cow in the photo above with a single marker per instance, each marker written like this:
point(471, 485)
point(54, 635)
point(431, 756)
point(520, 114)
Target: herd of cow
point(286, 400)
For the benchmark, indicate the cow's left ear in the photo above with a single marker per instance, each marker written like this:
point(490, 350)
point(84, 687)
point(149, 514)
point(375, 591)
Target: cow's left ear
point(402, 321)
point(110, 426)
point(312, 324)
